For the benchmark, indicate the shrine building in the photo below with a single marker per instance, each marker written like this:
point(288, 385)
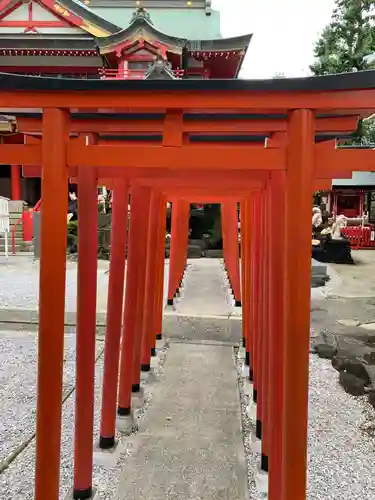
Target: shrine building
point(109, 39)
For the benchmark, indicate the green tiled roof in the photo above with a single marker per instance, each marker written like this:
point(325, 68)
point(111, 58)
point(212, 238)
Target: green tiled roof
point(183, 23)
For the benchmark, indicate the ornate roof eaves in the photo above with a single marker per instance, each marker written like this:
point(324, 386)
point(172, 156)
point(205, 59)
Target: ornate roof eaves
point(220, 44)
point(142, 26)
point(79, 15)
point(147, 30)
point(89, 15)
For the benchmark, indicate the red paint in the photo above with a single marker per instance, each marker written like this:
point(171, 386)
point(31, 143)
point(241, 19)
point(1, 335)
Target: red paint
point(159, 296)
point(255, 289)
point(15, 179)
point(114, 308)
point(141, 263)
point(148, 332)
point(277, 330)
point(51, 304)
point(27, 225)
point(231, 245)
point(86, 329)
point(9, 10)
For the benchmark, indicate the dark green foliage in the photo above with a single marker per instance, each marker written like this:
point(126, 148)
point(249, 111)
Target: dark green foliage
point(72, 237)
point(349, 37)
point(343, 47)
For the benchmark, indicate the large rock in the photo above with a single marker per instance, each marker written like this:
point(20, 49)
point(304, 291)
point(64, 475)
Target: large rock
point(325, 345)
point(354, 366)
point(352, 385)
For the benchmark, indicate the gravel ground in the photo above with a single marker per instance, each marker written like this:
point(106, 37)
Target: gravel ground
point(19, 283)
point(18, 386)
point(11, 487)
point(341, 439)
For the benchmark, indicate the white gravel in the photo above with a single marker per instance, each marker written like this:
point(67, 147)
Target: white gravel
point(19, 283)
point(17, 481)
point(341, 439)
point(18, 368)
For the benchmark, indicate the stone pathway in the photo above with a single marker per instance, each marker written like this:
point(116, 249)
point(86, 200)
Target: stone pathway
point(204, 312)
point(190, 444)
point(204, 291)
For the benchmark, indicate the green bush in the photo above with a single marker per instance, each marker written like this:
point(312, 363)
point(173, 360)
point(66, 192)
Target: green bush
point(72, 236)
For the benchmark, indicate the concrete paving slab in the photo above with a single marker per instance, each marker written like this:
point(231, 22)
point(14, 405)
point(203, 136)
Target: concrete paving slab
point(190, 443)
point(204, 289)
point(353, 281)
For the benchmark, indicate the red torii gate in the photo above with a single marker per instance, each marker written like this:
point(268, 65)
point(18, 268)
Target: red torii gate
point(275, 263)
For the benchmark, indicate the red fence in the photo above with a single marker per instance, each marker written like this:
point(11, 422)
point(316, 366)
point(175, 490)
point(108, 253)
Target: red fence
point(360, 237)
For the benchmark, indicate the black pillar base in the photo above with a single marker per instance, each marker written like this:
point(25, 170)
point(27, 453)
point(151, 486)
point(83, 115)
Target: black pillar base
point(153, 351)
point(159, 336)
point(247, 358)
point(264, 463)
point(82, 494)
point(136, 387)
point(145, 368)
point(123, 412)
point(106, 443)
point(238, 303)
point(258, 429)
point(170, 302)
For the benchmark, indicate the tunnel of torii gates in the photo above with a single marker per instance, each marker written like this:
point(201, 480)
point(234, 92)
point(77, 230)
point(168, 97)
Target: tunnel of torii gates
point(202, 141)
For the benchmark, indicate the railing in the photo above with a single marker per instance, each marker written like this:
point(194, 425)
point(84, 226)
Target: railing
point(27, 221)
point(360, 237)
point(4, 222)
point(130, 74)
point(105, 74)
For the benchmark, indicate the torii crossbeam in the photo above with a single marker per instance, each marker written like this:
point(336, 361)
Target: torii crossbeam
point(200, 140)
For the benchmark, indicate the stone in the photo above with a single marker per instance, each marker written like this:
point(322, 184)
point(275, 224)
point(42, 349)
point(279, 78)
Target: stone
point(138, 399)
point(353, 366)
point(351, 384)
point(325, 351)
point(261, 479)
point(125, 424)
point(107, 458)
point(371, 398)
point(325, 345)
point(368, 326)
point(348, 322)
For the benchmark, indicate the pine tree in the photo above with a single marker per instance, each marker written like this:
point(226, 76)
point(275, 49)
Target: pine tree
point(344, 45)
point(348, 38)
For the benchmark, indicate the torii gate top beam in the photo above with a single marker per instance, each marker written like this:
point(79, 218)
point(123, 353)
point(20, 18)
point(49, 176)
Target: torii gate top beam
point(323, 94)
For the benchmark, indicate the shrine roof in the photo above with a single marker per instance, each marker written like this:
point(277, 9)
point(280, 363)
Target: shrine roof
point(361, 80)
point(81, 10)
point(186, 23)
point(51, 42)
point(359, 179)
point(192, 20)
point(74, 12)
point(142, 22)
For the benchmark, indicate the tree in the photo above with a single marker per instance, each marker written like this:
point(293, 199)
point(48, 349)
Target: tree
point(343, 47)
point(347, 40)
